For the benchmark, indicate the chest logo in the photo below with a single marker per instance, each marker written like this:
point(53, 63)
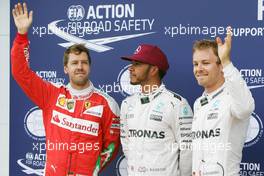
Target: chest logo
point(95, 111)
point(156, 117)
point(75, 124)
point(70, 104)
point(64, 103)
point(87, 104)
point(212, 116)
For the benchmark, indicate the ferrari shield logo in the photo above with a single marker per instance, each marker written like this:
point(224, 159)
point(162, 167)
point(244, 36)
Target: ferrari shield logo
point(87, 104)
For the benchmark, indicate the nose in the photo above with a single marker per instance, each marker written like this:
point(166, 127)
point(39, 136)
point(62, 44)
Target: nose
point(199, 66)
point(79, 66)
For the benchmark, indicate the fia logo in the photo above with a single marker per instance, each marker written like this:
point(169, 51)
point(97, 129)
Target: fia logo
point(33, 124)
point(121, 166)
point(75, 12)
point(255, 130)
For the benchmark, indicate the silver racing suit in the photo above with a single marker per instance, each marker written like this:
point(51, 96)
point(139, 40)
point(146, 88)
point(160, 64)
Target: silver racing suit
point(156, 134)
point(220, 125)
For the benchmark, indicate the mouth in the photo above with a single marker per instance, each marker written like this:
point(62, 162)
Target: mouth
point(79, 73)
point(132, 75)
point(201, 76)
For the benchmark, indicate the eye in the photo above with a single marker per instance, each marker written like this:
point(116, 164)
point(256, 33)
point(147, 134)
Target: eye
point(84, 62)
point(136, 63)
point(206, 63)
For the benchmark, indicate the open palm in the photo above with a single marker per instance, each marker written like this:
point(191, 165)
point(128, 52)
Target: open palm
point(224, 49)
point(22, 18)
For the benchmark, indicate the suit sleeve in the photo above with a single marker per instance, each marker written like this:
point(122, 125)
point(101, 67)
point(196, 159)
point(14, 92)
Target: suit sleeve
point(34, 87)
point(124, 128)
point(197, 150)
point(242, 101)
point(111, 134)
point(184, 135)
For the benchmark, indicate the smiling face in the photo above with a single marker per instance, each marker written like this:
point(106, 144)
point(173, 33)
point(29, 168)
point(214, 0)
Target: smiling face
point(78, 69)
point(207, 69)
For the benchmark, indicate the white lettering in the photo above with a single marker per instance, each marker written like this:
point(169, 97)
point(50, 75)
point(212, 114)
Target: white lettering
point(251, 72)
point(111, 11)
point(260, 10)
point(250, 166)
point(75, 124)
point(47, 74)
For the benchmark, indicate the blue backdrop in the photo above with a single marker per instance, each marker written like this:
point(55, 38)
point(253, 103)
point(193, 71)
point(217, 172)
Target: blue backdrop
point(112, 29)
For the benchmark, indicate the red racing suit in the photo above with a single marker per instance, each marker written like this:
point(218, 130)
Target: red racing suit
point(82, 127)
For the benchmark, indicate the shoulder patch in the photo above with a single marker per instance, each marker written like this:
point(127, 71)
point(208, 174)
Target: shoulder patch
point(175, 95)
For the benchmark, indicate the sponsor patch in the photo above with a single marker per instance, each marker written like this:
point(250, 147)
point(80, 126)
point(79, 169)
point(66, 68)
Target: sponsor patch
point(144, 100)
point(70, 104)
point(205, 134)
point(212, 116)
point(156, 117)
point(204, 101)
point(115, 125)
point(64, 103)
point(130, 116)
point(95, 111)
point(136, 133)
point(75, 124)
point(114, 132)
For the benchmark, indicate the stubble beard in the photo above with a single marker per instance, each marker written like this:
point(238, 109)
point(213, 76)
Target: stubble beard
point(138, 81)
point(80, 82)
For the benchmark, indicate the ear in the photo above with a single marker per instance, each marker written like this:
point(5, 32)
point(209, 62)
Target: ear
point(155, 70)
point(65, 69)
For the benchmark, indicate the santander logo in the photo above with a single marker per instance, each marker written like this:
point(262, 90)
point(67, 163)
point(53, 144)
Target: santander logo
point(75, 124)
point(56, 118)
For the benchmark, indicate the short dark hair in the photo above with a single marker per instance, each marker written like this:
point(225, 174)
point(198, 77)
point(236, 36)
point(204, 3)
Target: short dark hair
point(76, 49)
point(206, 44)
point(161, 74)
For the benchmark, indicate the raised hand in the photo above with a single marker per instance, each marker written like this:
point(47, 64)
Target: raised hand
point(224, 49)
point(22, 18)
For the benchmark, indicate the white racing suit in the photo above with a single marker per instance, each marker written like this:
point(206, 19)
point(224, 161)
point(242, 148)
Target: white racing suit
point(220, 125)
point(153, 127)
